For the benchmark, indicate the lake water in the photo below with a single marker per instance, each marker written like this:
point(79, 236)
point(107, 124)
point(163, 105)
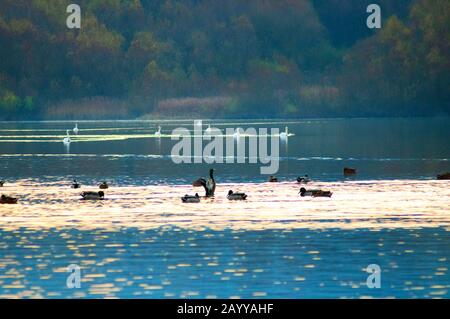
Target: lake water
point(141, 241)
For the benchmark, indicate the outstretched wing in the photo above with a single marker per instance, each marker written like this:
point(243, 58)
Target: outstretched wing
point(199, 182)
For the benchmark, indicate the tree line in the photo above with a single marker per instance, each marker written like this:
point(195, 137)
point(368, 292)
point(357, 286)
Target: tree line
point(255, 58)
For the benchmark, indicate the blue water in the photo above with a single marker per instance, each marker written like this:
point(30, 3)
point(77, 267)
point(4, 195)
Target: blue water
point(274, 263)
point(379, 148)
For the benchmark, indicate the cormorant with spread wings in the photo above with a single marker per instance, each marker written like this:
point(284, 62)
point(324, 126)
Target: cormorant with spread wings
point(209, 185)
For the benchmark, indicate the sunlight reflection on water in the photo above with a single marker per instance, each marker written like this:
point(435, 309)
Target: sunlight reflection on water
point(355, 204)
point(170, 262)
point(143, 242)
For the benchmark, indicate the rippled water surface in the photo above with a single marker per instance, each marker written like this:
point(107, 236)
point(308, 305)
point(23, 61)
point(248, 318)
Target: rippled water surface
point(141, 241)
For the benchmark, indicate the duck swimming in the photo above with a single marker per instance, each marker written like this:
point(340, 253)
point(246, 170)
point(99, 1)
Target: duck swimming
point(305, 179)
point(8, 200)
point(440, 176)
point(314, 193)
point(190, 199)
point(236, 196)
point(209, 185)
point(104, 185)
point(75, 184)
point(93, 195)
point(349, 171)
point(273, 179)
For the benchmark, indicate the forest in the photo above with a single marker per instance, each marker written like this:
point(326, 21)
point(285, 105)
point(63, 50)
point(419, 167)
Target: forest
point(223, 59)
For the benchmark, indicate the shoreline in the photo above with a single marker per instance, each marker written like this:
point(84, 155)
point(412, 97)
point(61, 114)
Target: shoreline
point(265, 119)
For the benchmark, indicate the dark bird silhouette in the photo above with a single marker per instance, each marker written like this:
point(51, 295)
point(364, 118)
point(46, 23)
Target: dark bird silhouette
point(236, 196)
point(104, 185)
point(8, 200)
point(209, 185)
point(75, 184)
point(273, 179)
point(190, 199)
point(440, 176)
point(314, 193)
point(305, 179)
point(2, 183)
point(93, 195)
point(349, 171)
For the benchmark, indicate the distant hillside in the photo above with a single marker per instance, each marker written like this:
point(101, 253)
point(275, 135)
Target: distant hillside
point(254, 58)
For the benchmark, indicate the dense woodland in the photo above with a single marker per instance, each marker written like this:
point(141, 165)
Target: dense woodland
point(223, 58)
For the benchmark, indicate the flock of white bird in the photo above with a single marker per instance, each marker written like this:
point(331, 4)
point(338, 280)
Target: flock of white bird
point(67, 140)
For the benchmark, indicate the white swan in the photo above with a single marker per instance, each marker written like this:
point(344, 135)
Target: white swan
point(158, 132)
point(237, 134)
point(208, 130)
point(75, 129)
point(67, 139)
point(284, 134)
